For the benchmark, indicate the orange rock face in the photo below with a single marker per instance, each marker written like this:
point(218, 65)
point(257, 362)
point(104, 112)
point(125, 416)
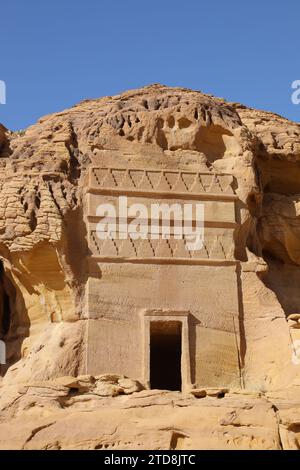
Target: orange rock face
point(75, 317)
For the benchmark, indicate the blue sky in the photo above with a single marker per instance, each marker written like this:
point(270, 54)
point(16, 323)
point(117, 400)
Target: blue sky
point(56, 53)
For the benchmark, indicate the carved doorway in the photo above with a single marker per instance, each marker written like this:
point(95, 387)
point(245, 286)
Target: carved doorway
point(165, 355)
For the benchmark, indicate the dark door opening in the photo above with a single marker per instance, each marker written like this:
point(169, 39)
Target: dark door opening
point(165, 355)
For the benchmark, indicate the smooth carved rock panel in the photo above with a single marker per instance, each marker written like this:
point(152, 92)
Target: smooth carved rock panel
point(217, 211)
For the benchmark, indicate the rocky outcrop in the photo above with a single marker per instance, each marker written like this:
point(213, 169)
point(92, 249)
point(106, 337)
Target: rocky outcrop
point(43, 247)
point(77, 414)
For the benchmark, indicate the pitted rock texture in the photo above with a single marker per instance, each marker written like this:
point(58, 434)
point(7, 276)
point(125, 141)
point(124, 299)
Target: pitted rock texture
point(50, 415)
point(43, 247)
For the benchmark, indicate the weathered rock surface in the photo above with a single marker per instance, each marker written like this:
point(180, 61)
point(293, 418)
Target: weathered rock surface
point(46, 400)
point(51, 416)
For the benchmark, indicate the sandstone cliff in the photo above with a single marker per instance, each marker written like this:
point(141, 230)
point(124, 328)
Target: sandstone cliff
point(43, 248)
